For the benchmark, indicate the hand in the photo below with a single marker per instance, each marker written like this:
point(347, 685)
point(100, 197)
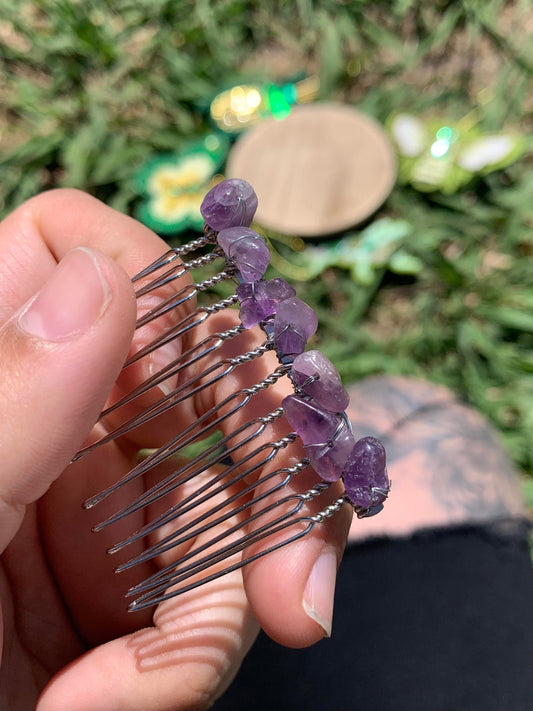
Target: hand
point(68, 642)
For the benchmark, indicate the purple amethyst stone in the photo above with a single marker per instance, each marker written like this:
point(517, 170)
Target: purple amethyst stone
point(328, 390)
point(326, 436)
point(260, 299)
point(294, 324)
point(247, 250)
point(365, 475)
point(230, 203)
point(310, 422)
point(329, 460)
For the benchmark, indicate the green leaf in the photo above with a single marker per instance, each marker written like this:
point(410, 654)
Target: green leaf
point(509, 318)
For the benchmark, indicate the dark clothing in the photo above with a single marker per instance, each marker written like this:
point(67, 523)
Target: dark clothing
point(441, 621)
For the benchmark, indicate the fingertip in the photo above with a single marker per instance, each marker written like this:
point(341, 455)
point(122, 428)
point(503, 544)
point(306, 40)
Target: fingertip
point(319, 591)
point(65, 218)
point(69, 343)
point(292, 591)
point(77, 294)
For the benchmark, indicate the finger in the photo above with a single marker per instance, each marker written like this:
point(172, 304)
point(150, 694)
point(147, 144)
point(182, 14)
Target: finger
point(40, 232)
point(184, 662)
point(32, 240)
point(92, 592)
point(291, 590)
point(60, 355)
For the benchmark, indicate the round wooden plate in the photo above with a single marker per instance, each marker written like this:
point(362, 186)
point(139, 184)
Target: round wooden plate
point(320, 170)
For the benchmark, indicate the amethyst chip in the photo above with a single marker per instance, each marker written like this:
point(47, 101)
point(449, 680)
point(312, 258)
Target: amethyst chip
point(294, 324)
point(309, 421)
point(230, 203)
point(328, 390)
point(328, 459)
point(327, 437)
point(260, 299)
point(247, 250)
point(365, 476)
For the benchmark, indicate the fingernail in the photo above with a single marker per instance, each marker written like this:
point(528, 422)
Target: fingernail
point(168, 353)
point(160, 359)
point(71, 301)
point(320, 590)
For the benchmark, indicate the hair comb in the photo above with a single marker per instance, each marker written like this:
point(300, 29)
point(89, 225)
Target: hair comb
point(234, 474)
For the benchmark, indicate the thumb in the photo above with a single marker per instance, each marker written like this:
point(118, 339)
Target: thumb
point(60, 356)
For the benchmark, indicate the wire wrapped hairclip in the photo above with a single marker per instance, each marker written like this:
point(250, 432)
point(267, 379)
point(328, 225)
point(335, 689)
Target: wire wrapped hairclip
point(230, 496)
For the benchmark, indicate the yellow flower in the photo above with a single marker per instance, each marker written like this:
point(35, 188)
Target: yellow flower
point(175, 185)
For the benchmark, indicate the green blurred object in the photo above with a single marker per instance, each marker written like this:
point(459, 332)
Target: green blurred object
point(437, 154)
point(361, 253)
point(242, 106)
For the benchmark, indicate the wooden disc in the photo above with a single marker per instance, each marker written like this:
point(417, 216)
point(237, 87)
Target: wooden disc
point(321, 170)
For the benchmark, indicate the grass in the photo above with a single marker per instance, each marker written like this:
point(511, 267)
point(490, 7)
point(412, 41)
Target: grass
point(90, 89)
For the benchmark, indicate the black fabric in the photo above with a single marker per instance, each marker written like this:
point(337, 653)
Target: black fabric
point(442, 621)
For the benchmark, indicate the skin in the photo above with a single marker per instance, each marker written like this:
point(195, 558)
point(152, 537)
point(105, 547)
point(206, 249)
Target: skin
point(445, 462)
point(67, 640)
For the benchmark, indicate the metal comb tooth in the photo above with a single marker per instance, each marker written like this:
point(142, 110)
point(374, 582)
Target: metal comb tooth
point(231, 496)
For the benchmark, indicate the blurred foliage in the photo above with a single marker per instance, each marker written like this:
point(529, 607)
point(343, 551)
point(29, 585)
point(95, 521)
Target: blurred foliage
point(90, 89)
